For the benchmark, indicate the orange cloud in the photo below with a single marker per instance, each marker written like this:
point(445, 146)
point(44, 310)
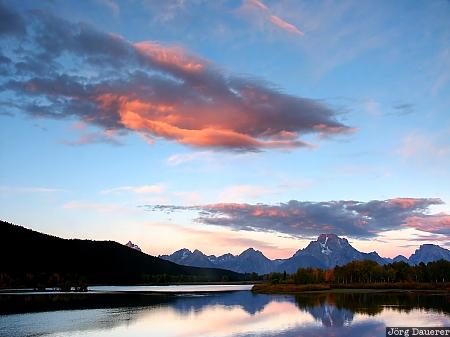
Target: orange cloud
point(169, 121)
point(170, 56)
point(164, 92)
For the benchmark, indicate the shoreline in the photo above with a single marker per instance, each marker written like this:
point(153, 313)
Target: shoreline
point(286, 289)
point(3, 290)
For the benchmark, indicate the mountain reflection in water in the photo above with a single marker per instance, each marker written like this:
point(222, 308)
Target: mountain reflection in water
point(240, 313)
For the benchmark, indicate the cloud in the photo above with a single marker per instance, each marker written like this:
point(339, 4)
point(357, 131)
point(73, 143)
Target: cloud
point(144, 189)
point(243, 192)
point(11, 23)
point(112, 5)
point(98, 207)
point(303, 218)
point(164, 12)
point(403, 109)
point(201, 159)
point(182, 158)
point(436, 223)
point(440, 70)
point(284, 25)
point(264, 12)
point(336, 36)
point(9, 189)
point(105, 136)
point(68, 70)
point(426, 148)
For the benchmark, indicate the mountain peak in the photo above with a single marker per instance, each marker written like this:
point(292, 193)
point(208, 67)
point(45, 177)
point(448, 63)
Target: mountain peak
point(330, 237)
point(250, 252)
point(133, 246)
point(323, 236)
point(330, 242)
point(429, 252)
point(197, 252)
point(428, 245)
point(251, 249)
point(183, 250)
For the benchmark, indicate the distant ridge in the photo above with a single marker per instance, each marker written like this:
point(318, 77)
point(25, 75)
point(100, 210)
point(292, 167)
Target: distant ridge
point(248, 261)
point(328, 251)
point(25, 251)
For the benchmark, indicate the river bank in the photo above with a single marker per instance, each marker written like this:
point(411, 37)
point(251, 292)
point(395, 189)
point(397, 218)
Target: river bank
point(289, 288)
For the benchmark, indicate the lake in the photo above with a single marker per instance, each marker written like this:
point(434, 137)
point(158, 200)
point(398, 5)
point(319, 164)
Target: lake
point(216, 311)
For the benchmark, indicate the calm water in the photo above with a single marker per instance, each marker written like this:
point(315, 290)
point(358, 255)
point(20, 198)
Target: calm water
point(236, 313)
point(174, 288)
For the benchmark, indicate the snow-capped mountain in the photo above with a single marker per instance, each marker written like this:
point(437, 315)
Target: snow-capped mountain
point(132, 245)
point(428, 252)
point(328, 251)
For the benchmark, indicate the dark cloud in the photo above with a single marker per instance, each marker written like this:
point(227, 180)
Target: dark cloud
point(65, 69)
point(4, 60)
point(11, 23)
point(5, 65)
point(403, 109)
point(350, 218)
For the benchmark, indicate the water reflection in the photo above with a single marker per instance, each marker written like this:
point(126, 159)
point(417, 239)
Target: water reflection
point(239, 313)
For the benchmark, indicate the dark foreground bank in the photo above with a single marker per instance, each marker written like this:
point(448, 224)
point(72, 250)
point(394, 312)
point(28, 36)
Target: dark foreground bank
point(35, 260)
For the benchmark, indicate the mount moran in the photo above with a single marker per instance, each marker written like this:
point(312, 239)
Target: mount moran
point(326, 252)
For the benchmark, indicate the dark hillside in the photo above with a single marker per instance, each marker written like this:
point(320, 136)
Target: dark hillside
point(27, 255)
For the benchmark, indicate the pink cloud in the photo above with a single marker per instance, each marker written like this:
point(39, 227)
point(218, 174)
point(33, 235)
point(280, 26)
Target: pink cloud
point(284, 25)
point(404, 202)
point(265, 13)
point(103, 136)
point(305, 218)
point(435, 223)
point(425, 147)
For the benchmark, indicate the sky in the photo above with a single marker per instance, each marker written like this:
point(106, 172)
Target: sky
point(224, 125)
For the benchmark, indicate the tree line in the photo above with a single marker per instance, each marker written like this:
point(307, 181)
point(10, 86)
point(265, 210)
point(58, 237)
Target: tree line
point(72, 281)
point(368, 272)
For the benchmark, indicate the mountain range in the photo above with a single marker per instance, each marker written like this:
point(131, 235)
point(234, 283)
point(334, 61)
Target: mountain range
point(328, 251)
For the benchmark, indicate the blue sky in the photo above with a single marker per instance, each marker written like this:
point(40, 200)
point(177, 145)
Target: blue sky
point(193, 103)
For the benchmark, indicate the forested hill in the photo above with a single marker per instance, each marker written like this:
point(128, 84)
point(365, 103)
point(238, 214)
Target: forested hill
point(28, 255)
